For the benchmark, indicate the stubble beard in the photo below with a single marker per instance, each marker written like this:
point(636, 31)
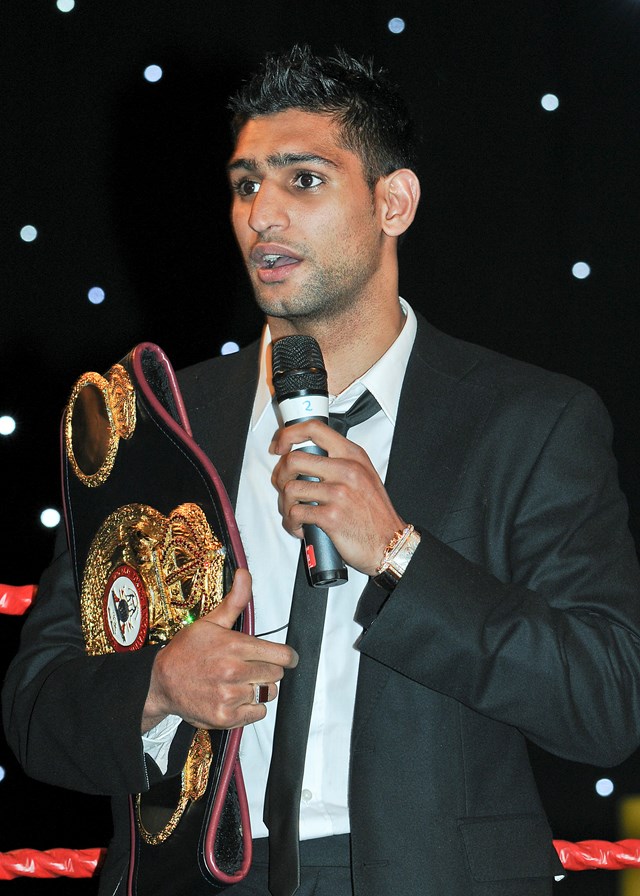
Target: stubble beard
point(326, 295)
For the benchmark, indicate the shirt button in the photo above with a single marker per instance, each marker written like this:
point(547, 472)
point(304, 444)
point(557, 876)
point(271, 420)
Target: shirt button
point(306, 795)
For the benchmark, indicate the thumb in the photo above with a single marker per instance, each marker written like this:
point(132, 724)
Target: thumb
point(235, 601)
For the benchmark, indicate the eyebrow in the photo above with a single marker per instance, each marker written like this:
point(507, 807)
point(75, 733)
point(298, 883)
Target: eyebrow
point(281, 160)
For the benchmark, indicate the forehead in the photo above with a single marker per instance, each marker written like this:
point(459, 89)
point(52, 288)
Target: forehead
point(293, 132)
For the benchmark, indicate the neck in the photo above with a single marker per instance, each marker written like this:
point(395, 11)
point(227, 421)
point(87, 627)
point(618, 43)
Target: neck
point(350, 344)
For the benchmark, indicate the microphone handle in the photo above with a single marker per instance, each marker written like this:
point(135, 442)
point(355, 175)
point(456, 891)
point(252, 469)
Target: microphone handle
point(325, 566)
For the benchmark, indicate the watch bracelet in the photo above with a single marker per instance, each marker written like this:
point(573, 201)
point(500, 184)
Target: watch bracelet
point(389, 572)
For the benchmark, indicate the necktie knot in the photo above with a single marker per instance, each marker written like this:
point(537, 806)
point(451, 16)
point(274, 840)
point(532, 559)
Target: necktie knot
point(362, 409)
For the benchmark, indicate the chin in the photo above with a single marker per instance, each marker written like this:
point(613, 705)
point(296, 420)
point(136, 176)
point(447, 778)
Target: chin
point(276, 305)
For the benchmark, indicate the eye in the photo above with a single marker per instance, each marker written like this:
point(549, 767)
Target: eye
point(246, 187)
point(307, 181)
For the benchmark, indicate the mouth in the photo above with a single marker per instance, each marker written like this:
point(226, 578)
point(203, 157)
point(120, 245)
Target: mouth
point(271, 260)
point(277, 259)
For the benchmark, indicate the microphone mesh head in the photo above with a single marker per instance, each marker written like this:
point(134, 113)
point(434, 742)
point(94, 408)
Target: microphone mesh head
point(297, 365)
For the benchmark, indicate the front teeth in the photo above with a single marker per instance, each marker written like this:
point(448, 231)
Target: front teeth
point(270, 260)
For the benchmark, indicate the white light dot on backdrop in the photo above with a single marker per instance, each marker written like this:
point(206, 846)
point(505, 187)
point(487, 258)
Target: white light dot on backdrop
point(581, 270)
point(65, 5)
point(96, 295)
point(396, 25)
point(50, 518)
point(28, 233)
point(2, 773)
point(604, 787)
point(229, 348)
point(153, 73)
point(7, 425)
point(550, 102)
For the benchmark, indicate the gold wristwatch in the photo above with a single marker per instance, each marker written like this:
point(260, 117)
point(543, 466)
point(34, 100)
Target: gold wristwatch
point(396, 558)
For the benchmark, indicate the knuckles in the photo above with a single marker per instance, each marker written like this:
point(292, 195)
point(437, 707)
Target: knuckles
point(332, 516)
point(342, 490)
point(293, 489)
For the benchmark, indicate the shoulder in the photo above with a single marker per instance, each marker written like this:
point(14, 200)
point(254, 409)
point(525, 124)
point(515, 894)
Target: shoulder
point(204, 382)
point(518, 400)
point(483, 368)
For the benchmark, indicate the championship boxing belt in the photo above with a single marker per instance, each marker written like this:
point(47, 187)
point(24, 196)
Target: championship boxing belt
point(155, 545)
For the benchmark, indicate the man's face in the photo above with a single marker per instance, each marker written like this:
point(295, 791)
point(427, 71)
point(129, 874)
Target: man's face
point(304, 217)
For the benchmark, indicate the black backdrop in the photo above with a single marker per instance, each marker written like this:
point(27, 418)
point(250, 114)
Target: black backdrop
point(123, 180)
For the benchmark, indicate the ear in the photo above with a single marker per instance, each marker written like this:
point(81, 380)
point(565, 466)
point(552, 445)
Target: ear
point(399, 194)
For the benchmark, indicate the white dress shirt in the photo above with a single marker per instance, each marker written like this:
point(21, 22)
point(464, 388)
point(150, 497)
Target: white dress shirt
point(272, 557)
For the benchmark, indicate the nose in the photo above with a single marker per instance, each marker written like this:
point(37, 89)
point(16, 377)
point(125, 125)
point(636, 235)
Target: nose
point(268, 208)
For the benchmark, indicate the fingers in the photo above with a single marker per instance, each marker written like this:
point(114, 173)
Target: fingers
point(246, 646)
point(210, 681)
point(207, 674)
point(235, 601)
point(262, 693)
point(300, 477)
point(342, 494)
point(310, 431)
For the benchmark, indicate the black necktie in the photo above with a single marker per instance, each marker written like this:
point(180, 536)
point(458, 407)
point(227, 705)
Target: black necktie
point(295, 701)
point(362, 408)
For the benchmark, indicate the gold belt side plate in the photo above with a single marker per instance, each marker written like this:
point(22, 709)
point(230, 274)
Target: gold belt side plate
point(193, 785)
point(100, 411)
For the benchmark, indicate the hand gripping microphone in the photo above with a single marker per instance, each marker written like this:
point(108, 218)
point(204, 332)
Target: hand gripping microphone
point(300, 383)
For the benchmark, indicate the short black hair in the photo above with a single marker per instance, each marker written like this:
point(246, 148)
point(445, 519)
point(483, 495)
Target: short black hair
point(371, 115)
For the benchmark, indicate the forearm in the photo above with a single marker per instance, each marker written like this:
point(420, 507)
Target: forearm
point(84, 711)
point(566, 676)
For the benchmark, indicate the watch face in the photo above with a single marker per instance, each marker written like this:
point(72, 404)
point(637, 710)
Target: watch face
point(125, 609)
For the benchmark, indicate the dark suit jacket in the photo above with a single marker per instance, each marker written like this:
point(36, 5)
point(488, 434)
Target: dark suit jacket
point(518, 617)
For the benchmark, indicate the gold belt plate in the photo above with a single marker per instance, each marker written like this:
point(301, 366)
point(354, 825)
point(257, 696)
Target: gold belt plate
point(148, 575)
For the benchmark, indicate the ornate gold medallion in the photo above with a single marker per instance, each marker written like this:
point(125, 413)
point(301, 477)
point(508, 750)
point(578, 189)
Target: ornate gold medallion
point(99, 413)
point(147, 576)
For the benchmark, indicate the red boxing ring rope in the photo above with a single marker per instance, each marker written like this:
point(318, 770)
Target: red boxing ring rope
point(593, 854)
point(586, 855)
point(80, 863)
point(16, 599)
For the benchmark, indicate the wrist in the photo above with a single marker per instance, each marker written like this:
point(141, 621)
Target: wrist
point(396, 558)
point(154, 710)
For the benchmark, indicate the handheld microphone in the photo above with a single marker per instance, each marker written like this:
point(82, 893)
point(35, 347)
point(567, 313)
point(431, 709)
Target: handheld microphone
point(300, 383)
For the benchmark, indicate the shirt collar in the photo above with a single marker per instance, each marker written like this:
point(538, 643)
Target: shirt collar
point(384, 379)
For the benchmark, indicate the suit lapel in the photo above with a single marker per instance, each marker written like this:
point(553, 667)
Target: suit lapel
point(223, 393)
point(440, 416)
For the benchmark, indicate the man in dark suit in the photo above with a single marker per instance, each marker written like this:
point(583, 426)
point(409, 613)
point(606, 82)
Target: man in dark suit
point(494, 590)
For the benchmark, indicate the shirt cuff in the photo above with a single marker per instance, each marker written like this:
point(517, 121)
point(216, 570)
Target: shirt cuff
point(157, 741)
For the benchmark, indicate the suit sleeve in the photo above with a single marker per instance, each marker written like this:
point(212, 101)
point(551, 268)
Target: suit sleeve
point(548, 639)
point(73, 720)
